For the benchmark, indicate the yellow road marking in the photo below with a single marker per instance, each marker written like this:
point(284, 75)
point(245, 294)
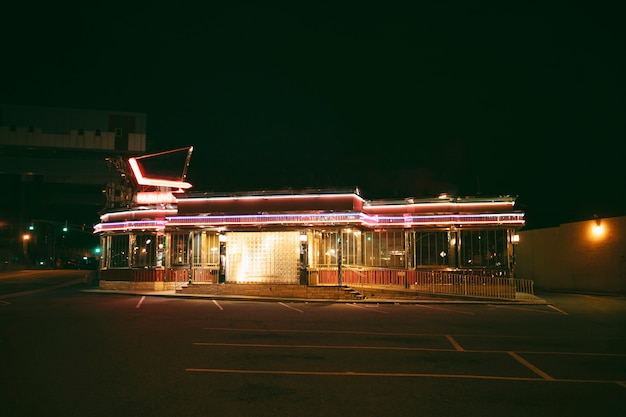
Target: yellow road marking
point(454, 343)
point(530, 366)
point(396, 374)
point(268, 345)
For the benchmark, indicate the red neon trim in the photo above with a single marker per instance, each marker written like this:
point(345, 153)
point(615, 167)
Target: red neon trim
point(154, 182)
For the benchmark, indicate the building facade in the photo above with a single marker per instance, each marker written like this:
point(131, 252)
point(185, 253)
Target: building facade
point(170, 236)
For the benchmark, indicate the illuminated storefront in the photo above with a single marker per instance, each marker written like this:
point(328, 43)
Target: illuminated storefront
point(309, 237)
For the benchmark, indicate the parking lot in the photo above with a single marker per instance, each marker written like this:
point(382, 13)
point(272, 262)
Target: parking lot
point(82, 353)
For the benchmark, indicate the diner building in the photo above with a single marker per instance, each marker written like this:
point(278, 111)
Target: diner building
point(169, 236)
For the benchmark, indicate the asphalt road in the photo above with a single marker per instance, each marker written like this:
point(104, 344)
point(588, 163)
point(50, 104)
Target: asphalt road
point(67, 352)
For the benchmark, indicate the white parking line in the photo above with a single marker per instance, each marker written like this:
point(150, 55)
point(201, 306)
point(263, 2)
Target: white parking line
point(218, 305)
point(444, 309)
point(520, 308)
point(558, 309)
point(368, 309)
point(140, 301)
point(293, 308)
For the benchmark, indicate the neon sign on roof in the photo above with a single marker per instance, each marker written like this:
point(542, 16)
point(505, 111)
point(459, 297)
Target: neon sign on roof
point(154, 182)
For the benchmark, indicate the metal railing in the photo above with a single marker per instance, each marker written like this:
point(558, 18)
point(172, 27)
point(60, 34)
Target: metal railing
point(494, 284)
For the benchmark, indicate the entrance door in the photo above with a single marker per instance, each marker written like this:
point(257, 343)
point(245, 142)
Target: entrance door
point(205, 256)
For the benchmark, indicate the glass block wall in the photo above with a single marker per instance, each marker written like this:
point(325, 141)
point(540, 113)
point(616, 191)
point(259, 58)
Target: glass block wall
point(263, 257)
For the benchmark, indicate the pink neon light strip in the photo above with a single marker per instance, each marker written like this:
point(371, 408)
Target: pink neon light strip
point(460, 219)
point(130, 225)
point(141, 180)
point(109, 217)
point(448, 206)
point(318, 219)
point(266, 219)
point(278, 197)
point(506, 218)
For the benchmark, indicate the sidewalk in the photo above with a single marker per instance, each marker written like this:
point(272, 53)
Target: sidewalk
point(367, 300)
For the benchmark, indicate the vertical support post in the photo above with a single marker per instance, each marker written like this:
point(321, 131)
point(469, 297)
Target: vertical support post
point(190, 257)
point(222, 273)
point(453, 239)
point(339, 260)
point(304, 259)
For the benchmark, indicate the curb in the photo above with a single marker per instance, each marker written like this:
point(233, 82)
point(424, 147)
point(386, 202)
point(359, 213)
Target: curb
point(173, 294)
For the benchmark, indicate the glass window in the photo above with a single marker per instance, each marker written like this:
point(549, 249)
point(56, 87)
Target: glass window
point(351, 247)
point(143, 251)
point(206, 249)
point(323, 248)
point(384, 249)
point(431, 248)
point(118, 251)
point(484, 248)
point(178, 249)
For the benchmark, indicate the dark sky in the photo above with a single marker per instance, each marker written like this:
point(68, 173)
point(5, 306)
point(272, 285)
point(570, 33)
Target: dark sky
point(399, 100)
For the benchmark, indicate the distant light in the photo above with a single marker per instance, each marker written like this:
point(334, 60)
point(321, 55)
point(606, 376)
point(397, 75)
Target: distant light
point(515, 238)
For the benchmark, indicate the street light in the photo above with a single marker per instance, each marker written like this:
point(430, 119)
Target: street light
point(25, 239)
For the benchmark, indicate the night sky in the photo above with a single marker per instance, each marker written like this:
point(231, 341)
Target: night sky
point(399, 100)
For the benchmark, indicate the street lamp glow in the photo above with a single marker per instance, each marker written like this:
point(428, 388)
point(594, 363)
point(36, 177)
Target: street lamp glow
point(597, 230)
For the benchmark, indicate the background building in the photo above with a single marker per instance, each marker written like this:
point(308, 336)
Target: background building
point(58, 169)
point(586, 256)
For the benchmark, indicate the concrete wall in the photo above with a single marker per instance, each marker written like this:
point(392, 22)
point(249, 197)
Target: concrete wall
point(572, 257)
